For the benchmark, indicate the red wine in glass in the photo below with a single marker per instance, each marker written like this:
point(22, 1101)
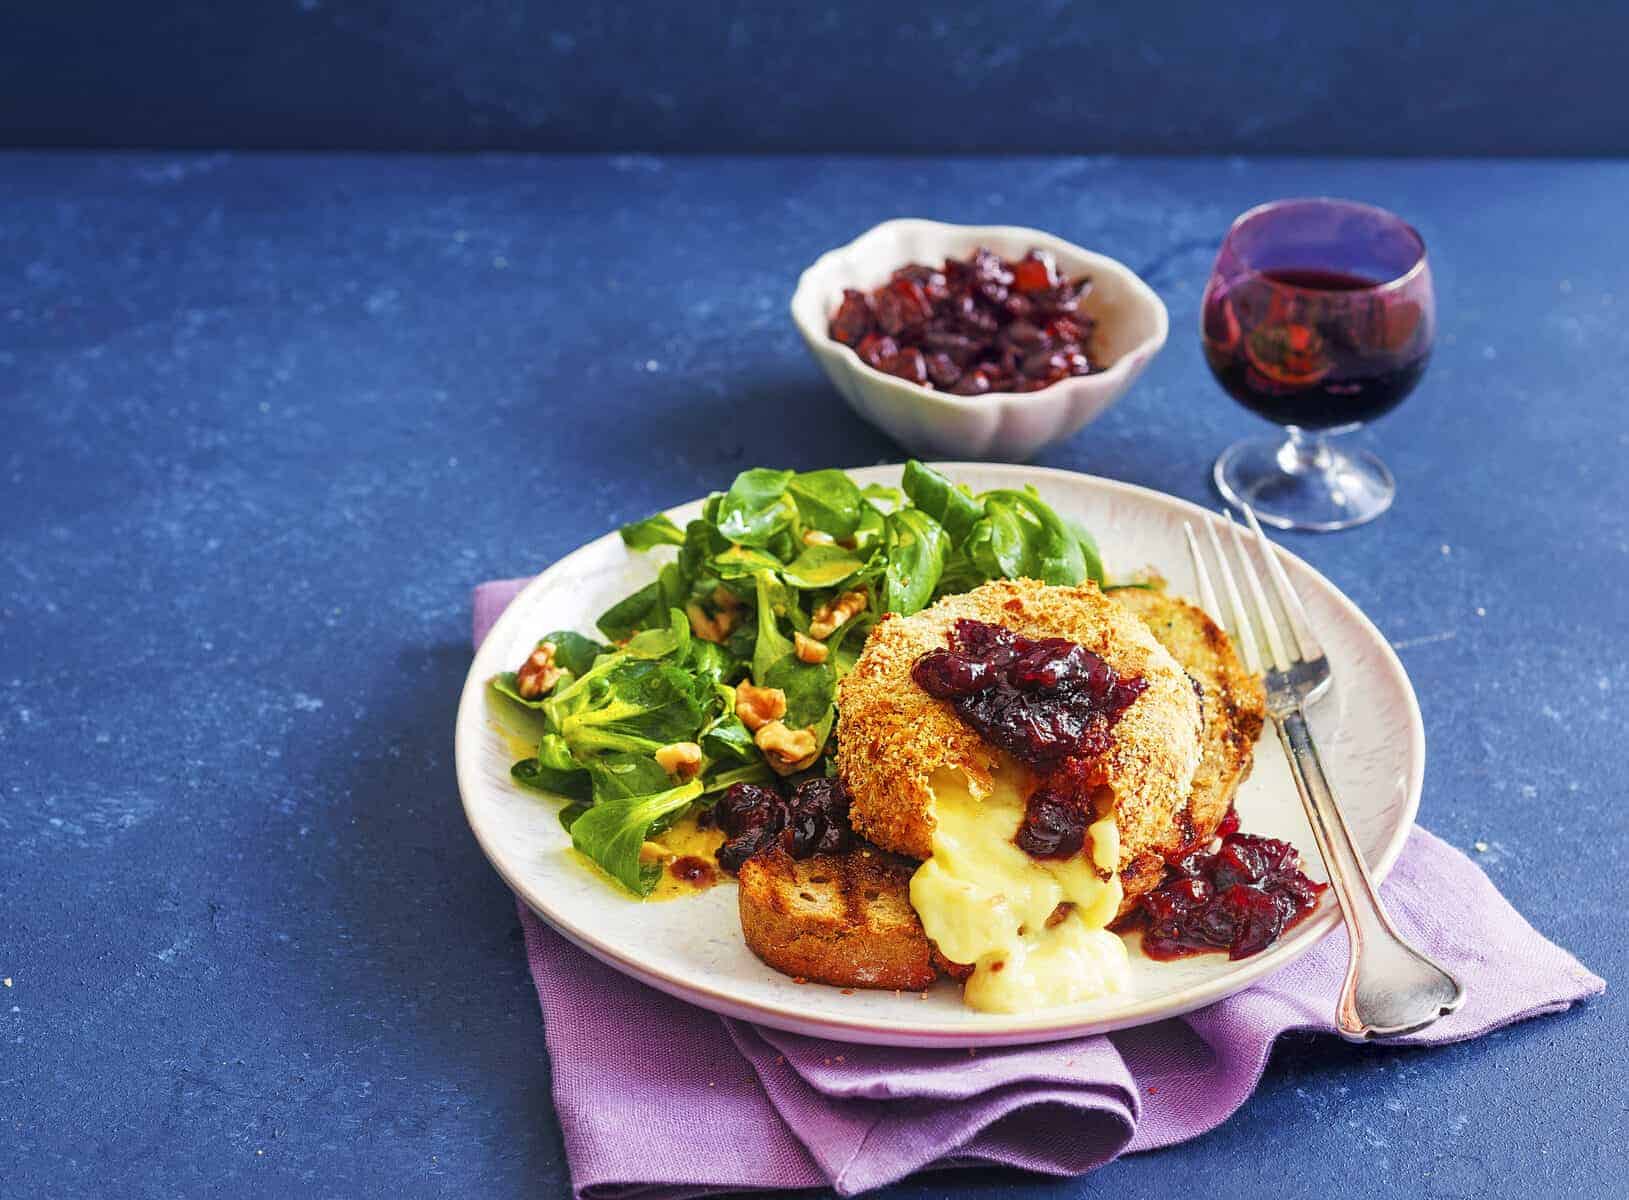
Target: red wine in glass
point(1318, 316)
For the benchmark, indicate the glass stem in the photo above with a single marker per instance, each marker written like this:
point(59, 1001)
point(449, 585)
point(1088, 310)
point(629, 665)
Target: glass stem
point(1304, 453)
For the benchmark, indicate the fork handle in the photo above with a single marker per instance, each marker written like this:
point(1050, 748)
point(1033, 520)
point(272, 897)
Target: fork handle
point(1391, 988)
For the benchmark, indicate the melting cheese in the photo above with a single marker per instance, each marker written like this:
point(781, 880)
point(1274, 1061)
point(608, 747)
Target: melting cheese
point(984, 901)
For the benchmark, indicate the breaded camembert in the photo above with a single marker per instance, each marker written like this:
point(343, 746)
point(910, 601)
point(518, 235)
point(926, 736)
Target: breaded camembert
point(925, 784)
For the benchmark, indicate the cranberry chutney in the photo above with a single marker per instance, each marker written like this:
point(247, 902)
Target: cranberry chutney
point(1049, 703)
point(975, 326)
point(1052, 705)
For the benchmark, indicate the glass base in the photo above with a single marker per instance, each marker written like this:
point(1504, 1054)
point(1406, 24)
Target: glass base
point(1301, 483)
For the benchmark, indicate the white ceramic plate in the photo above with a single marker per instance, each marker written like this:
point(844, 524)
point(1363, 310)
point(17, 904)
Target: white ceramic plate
point(1369, 731)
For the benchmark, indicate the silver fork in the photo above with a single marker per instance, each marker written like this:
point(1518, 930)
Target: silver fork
point(1391, 988)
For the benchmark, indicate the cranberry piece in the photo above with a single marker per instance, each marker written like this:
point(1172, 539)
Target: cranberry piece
point(957, 347)
point(1053, 827)
point(1229, 825)
point(972, 383)
point(752, 817)
point(1245, 858)
point(1255, 919)
point(1060, 301)
point(1044, 363)
point(981, 639)
point(817, 819)
point(1122, 693)
point(1018, 307)
point(1035, 272)
point(738, 849)
point(693, 870)
point(1025, 333)
point(901, 305)
point(933, 283)
point(945, 674)
point(1192, 865)
point(908, 364)
point(973, 320)
point(853, 318)
point(989, 267)
point(1065, 331)
point(943, 370)
point(746, 806)
point(1237, 863)
point(874, 348)
point(1055, 663)
point(1298, 889)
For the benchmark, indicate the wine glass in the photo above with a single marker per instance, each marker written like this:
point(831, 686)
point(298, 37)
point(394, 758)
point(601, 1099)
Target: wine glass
point(1319, 316)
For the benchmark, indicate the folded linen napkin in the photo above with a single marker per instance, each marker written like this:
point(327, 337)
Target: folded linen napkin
point(656, 1097)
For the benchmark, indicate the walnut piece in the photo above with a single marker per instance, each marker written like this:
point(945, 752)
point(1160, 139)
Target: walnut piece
point(538, 674)
point(709, 628)
point(809, 650)
point(786, 750)
point(757, 706)
point(715, 627)
point(681, 760)
point(832, 615)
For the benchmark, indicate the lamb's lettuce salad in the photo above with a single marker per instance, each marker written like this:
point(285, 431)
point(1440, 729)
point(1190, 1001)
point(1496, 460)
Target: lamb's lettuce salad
point(774, 586)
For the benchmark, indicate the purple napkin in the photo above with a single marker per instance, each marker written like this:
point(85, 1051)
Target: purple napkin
point(659, 1099)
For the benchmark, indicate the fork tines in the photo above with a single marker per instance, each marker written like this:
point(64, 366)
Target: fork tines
point(1277, 637)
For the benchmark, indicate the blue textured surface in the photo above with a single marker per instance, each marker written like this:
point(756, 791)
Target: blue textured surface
point(1183, 76)
point(264, 420)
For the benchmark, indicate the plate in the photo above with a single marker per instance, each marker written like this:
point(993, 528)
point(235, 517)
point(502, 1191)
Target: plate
point(1368, 729)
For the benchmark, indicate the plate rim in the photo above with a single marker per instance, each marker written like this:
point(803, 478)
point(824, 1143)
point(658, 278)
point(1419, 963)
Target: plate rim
point(1014, 1029)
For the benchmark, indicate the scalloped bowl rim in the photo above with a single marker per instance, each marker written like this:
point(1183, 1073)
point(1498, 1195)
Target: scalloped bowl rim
point(1120, 372)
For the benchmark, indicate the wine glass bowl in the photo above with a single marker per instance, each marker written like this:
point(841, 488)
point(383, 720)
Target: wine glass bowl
point(1318, 316)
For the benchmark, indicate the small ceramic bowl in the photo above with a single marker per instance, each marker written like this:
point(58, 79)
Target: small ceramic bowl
point(1132, 325)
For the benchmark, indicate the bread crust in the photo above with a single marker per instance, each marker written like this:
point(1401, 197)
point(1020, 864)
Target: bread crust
point(1235, 708)
point(842, 919)
point(893, 737)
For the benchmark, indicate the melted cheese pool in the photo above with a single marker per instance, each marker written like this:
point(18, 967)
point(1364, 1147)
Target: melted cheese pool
point(984, 901)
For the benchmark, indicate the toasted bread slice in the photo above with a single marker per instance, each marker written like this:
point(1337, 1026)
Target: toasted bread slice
point(1235, 706)
point(843, 919)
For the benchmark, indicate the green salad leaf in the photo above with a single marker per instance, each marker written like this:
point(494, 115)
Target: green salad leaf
point(918, 548)
point(530, 773)
point(771, 645)
point(827, 500)
point(573, 652)
point(632, 613)
point(821, 567)
point(951, 506)
point(611, 832)
point(1090, 553)
point(756, 507)
point(652, 532)
point(506, 684)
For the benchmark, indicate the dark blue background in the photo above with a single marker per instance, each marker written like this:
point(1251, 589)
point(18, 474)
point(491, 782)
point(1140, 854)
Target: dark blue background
point(1507, 77)
point(264, 420)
